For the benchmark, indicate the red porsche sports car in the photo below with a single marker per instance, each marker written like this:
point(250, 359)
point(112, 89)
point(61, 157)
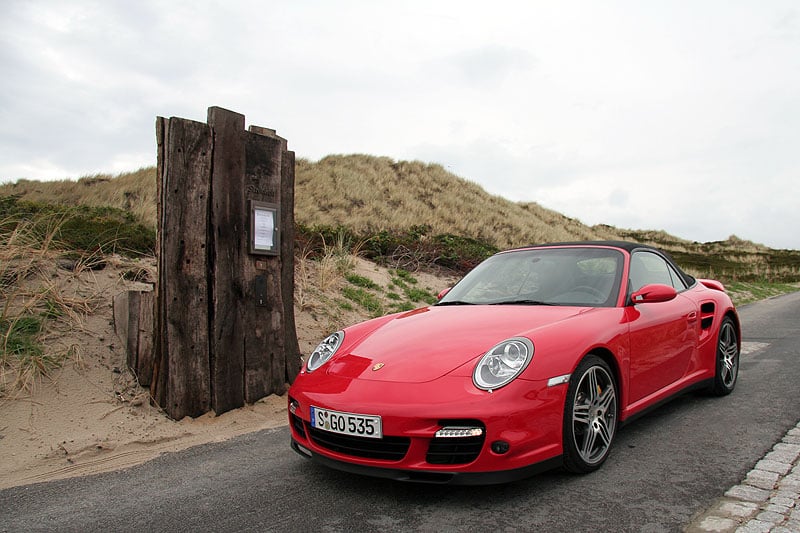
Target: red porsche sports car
point(532, 360)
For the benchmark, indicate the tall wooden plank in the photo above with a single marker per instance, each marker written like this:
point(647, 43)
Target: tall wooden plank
point(264, 320)
point(291, 345)
point(228, 251)
point(185, 348)
point(285, 367)
point(158, 382)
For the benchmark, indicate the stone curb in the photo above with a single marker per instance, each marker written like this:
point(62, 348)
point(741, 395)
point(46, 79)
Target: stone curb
point(766, 501)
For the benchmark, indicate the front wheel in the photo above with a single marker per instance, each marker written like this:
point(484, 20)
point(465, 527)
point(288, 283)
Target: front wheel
point(590, 416)
point(727, 369)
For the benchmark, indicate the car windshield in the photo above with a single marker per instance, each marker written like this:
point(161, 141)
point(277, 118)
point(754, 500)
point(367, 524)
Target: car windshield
point(574, 276)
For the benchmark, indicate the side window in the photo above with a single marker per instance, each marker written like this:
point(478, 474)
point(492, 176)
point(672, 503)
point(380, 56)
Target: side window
point(677, 279)
point(647, 268)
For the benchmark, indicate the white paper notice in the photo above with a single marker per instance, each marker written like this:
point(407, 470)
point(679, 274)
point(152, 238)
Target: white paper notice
point(264, 229)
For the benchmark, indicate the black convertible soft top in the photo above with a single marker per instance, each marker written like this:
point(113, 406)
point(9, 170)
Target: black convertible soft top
point(624, 245)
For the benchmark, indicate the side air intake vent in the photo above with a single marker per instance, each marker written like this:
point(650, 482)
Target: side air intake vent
point(707, 315)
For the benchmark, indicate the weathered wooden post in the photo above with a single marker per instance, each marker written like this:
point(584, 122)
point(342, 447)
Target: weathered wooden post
point(133, 322)
point(225, 331)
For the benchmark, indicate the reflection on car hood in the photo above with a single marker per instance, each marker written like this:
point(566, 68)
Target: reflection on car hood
point(428, 343)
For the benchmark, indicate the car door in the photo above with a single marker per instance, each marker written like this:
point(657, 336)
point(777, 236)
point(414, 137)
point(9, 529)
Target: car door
point(663, 335)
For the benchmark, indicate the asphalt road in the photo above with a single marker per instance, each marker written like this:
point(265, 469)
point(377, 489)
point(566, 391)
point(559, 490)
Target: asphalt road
point(665, 467)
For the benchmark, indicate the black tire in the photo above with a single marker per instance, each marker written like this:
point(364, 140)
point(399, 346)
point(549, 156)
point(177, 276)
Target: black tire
point(727, 359)
point(590, 416)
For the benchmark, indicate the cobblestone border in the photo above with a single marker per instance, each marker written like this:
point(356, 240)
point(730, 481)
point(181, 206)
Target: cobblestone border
point(766, 501)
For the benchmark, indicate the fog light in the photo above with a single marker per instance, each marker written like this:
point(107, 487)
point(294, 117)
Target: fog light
point(457, 432)
point(293, 405)
point(500, 447)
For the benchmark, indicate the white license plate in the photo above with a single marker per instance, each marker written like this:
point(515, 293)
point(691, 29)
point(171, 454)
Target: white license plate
point(347, 423)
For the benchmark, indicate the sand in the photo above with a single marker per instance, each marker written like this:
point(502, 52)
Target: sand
point(91, 416)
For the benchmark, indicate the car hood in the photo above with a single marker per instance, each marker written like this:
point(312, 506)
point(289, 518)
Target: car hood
point(427, 343)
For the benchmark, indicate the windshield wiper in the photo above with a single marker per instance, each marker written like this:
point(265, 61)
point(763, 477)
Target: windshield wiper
point(523, 302)
point(455, 302)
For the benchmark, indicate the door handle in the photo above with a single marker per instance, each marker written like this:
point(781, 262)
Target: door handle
point(692, 317)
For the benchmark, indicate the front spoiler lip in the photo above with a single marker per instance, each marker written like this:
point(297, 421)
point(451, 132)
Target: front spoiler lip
point(431, 477)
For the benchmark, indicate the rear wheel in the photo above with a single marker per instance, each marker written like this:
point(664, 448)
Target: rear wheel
point(727, 359)
point(590, 416)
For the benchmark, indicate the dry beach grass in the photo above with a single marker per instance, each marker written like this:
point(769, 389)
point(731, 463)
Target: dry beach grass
point(80, 411)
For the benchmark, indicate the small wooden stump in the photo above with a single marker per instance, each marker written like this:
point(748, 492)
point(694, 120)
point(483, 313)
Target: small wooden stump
point(133, 324)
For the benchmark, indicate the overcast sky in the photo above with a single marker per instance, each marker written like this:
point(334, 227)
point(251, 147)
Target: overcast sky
point(678, 115)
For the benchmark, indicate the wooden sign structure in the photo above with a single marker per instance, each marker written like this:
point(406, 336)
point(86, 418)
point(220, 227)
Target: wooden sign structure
point(224, 314)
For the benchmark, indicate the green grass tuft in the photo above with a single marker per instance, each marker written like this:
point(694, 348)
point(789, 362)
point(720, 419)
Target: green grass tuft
point(361, 281)
point(365, 299)
point(20, 337)
point(419, 295)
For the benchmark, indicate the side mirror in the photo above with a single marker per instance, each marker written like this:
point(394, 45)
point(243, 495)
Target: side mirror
point(655, 292)
point(441, 294)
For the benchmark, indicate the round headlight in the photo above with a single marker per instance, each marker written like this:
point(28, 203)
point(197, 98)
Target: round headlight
point(503, 363)
point(324, 351)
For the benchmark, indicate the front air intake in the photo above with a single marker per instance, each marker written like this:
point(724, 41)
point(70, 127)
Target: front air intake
point(456, 443)
point(386, 448)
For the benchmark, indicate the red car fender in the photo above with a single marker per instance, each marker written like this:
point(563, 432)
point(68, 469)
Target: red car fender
point(559, 350)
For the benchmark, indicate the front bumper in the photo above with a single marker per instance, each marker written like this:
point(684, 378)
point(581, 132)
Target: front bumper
point(431, 477)
point(522, 430)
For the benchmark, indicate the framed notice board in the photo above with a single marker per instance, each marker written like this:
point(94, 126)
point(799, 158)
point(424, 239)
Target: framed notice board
point(265, 234)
